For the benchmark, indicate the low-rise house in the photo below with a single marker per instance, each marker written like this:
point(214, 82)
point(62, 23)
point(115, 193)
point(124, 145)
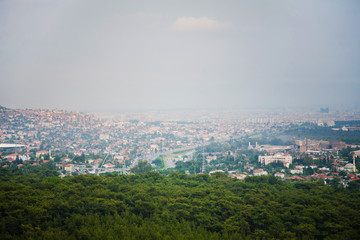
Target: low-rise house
point(249, 167)
point(317, 176)
point(65, 159)
point(91, 161)
point(295, 178)
point(108, 165)
point(12, 156)
point(259, 172)
point(97, 161)
point(280, 175)
point(353, 177)
point(296, 171)
point(330, 177)
point(210, 158)
point(40, 153)
point(240, 176)
point(69, 167)
point(216, 171)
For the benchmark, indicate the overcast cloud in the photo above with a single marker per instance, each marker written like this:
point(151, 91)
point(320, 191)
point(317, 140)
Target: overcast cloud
point(196, 24)
point(140, 55)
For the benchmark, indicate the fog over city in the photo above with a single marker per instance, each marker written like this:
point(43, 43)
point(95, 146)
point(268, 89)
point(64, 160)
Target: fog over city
point(156, 55)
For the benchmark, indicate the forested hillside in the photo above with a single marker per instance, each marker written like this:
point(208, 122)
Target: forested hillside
point(40, 205)
point(313, 131)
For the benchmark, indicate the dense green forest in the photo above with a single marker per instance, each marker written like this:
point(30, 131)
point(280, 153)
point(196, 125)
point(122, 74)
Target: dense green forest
point(37, 204)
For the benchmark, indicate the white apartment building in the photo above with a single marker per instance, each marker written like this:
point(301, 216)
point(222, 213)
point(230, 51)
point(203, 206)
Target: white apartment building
point(282, 158)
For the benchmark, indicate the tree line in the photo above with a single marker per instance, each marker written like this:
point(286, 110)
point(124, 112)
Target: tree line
point(37, 204)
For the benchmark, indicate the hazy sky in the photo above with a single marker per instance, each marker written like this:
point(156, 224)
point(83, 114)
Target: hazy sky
point(141, 55)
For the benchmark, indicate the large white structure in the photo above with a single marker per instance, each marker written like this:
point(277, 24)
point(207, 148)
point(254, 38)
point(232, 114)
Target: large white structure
point(269, 148)
point(277, 158)
point(10, 146)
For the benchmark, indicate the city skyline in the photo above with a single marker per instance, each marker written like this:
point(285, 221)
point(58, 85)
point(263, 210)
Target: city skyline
point(125, 56)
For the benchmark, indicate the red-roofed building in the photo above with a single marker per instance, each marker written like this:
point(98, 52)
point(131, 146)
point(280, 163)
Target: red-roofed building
point(295, 178)
point(353, 177)
point(12, 156)
point(280, 175)
point(97, 161)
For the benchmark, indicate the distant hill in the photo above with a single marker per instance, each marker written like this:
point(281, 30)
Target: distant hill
point(2, 108)
point(325, 133)
point(352, 123)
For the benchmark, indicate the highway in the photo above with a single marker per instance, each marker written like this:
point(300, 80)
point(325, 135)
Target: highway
point(169, 162)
